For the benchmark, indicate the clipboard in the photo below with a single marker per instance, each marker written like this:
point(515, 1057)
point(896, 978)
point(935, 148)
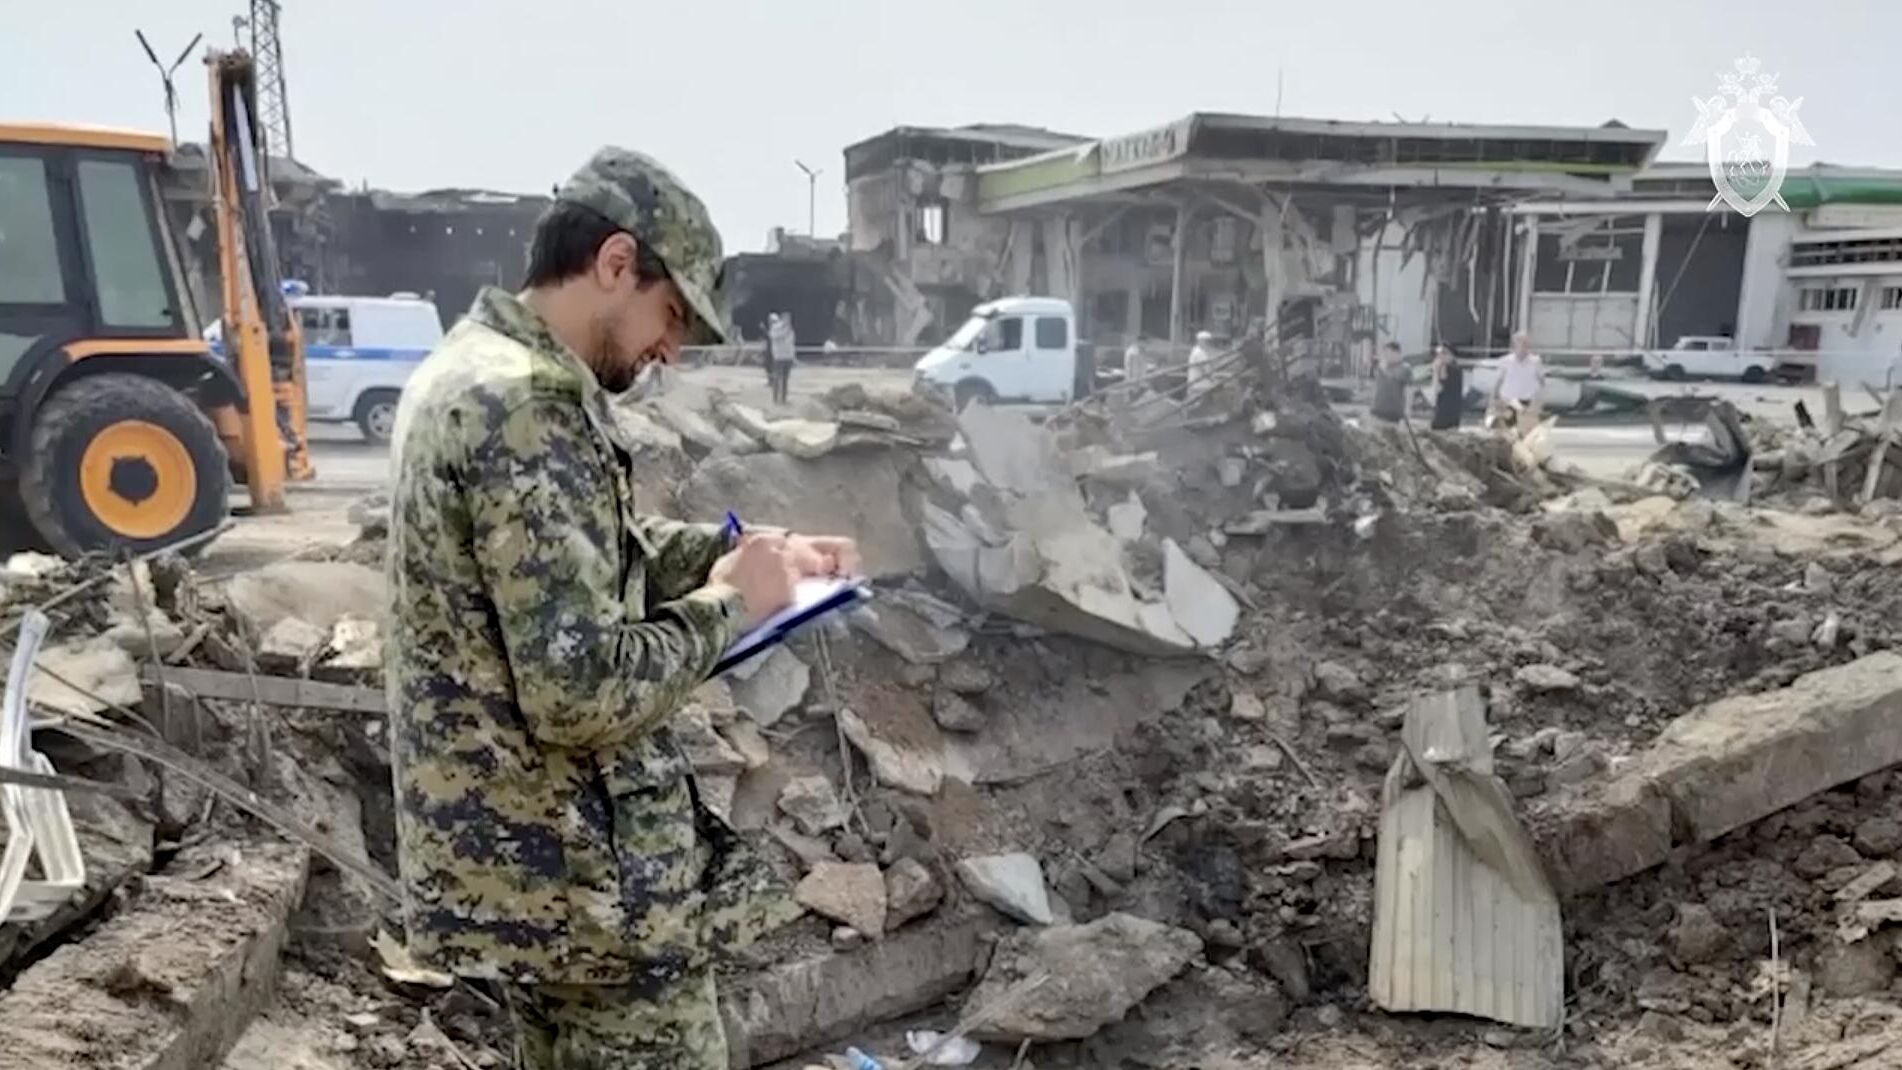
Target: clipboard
point(812, 599)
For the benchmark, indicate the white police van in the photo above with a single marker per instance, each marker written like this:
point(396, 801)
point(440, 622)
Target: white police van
point(358, 353)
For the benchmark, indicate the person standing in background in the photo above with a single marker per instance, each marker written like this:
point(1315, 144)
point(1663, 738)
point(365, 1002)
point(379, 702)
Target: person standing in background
point(781, 353)
point(1199, 357)
point(1390, 385)
point(1449, 389)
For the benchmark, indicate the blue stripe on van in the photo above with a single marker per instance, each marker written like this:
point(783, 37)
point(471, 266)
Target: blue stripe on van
point(363, 353)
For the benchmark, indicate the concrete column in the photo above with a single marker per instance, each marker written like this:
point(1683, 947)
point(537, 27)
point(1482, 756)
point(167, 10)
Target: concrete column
point(1272, 231)
point(1528, 260)
point(1642, 326)
point(1180, 247)
point(1132, 311)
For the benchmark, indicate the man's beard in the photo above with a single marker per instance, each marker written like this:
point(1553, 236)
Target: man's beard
point(614, 367)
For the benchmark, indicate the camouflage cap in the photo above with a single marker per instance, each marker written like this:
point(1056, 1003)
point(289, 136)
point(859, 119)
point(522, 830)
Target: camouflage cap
point(639, 194)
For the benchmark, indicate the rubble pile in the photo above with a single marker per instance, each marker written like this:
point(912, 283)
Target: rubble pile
point(1843, 463)
point(1102, 766)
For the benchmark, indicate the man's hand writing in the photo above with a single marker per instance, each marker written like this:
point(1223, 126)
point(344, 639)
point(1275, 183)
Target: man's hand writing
point(761, 568)
point(823, 555)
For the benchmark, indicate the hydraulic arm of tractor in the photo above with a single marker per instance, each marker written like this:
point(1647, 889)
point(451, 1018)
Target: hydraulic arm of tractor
point(260, 334)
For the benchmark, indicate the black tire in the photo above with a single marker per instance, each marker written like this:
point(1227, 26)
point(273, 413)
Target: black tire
point(1674, 372)
point(972, 390)
point(53, 488)
point(1755, 374)
point(376, 415)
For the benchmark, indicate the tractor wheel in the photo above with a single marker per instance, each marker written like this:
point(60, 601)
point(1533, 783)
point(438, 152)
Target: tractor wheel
point(122, 461)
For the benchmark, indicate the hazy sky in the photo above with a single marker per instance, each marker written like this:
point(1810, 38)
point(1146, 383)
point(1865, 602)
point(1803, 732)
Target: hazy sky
point(409, 95)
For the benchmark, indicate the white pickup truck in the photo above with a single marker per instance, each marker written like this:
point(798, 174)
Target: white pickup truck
point(1012, 350)
point(1697, 356)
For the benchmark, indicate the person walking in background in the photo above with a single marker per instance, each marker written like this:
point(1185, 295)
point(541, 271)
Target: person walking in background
point(1199, 357)
point(781, 353)
point(1521, 377)
point(1449, 388)
point(1390, 384)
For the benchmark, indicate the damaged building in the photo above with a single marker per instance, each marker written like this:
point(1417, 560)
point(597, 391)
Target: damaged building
point(1339, 232)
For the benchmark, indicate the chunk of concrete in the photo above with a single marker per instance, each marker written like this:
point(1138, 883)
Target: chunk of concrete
point(813, 804)
point(290, 644)
point(1201, 606)
point(317, 592)
point(1126, 518)
point(955, 713)
point(805, 439)
point(856, 493)
point(691, 426)
point(818, 1001)
point(640, 430)
point(1726, 765)
point(916, 626)
point(770, 685)
point(1012, 883)
point(1546, 678)
point(702, 745)
point(896, 764)
point(356, 644)
point(953, 474)
point(98, 666)
point(1094, 974)
point(911, 891)
point(850, 893)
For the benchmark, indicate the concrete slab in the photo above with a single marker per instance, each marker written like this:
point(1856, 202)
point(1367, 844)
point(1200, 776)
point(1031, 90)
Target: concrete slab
point(798, 1006)
point(1725, 765)
point(849, 493)
point(168, 983)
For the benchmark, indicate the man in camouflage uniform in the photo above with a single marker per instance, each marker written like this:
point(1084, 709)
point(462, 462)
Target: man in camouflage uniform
point(543, 632)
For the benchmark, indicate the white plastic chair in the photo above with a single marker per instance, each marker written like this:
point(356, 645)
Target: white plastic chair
point(36, 818)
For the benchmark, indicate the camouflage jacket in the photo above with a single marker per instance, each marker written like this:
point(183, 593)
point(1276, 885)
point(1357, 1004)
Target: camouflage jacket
point(541, 634)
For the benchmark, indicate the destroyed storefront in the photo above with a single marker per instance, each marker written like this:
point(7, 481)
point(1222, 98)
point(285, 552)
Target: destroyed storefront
point(1342, 234)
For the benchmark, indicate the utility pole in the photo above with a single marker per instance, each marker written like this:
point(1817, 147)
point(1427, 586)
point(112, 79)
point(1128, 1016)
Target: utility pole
point(165, 76)
point(267, 51)
point(812, 198)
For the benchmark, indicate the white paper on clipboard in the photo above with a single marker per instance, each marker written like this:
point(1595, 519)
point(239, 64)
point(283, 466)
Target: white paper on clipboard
point(811, 599)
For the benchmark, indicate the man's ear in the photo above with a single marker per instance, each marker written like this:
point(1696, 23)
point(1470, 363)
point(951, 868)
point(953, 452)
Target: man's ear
point(614, 259)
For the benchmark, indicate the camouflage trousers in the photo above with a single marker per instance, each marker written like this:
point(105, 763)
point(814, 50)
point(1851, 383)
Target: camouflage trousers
point(611, 1027)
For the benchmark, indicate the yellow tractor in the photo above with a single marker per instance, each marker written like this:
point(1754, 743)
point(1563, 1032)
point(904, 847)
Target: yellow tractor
point(121, 428)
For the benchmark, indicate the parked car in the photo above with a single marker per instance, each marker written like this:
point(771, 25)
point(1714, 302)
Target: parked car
point(1697, 356)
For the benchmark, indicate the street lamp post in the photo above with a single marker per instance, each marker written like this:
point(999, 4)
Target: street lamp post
point(812, 198)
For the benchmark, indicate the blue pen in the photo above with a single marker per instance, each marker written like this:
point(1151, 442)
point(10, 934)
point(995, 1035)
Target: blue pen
point(733, 527)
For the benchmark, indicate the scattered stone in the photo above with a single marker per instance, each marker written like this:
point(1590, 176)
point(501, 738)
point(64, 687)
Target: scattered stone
point(810, 850)
point(846, 938)
point(1864, 968)
point(893, 764)
point(1012, 883)
point(850, 893)
point(852, 847)
point(1245, 706)
point(317, 592)
point(805, 439)
point(1125, 519)
point(746, 740)
point(1202, 607)
point(1284, 960)
point(704, 748)
point(1826, 633)
point(966, 677)
point(1565, 744)
point(813, 804)
point(1878, 836)
point(1118, 857)
point(1818, 579)
point(1825, 853)
point(1660, 1026)
point(290, 644)
point(98, 665)
point(954, 713)
point(1794, 631)
point(911, 891)
point(1338, 683)
point(917, 627)
point(1697, 938)
point(1545, 678)
point(770, 685)
point(1577, 769)
point(356, 645)
point(1230, 470)
point(1097, 973)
